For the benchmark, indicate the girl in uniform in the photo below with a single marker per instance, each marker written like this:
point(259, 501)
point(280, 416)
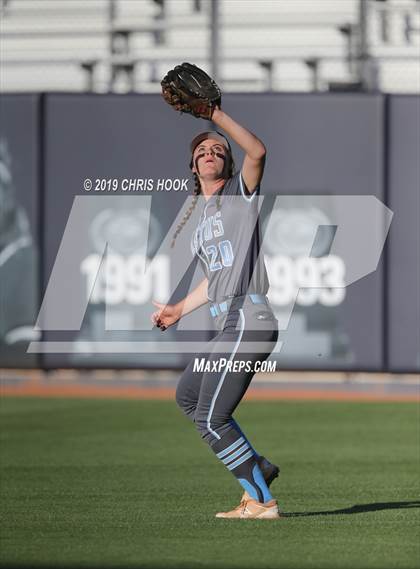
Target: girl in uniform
point(227, 241)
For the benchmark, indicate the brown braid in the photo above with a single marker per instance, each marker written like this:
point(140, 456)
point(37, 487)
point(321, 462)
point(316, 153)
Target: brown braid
point(197, 192)
point(187, 214)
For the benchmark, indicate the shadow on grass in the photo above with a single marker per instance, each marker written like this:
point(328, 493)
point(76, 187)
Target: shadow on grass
point(357, 509)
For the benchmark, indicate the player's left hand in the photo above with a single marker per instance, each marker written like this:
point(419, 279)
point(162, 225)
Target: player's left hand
point(187, 88)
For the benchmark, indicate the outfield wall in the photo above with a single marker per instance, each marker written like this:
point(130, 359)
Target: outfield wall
point(327, 144)
point(20, 230)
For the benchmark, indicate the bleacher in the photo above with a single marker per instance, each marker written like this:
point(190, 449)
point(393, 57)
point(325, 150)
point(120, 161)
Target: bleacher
point(280, 45)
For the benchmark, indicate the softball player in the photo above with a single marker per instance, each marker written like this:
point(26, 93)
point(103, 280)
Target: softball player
point(236, 284)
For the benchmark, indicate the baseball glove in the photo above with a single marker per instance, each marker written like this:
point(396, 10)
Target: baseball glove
point(189, 89)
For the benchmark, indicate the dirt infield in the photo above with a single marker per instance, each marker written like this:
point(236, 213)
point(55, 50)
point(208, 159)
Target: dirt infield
point(118, 385)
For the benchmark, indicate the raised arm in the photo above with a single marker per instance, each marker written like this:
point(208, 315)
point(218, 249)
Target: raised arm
point(255, 151)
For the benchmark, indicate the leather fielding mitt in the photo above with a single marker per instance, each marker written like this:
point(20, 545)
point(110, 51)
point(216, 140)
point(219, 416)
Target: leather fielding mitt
point(189, 89)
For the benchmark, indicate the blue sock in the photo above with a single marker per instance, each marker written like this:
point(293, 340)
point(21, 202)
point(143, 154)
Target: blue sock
point(239, 457)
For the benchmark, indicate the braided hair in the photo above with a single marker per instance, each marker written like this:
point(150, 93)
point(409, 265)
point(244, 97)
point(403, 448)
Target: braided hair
point(196, 193)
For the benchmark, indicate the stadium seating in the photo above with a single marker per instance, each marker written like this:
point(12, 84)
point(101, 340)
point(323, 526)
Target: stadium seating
point(265, 45)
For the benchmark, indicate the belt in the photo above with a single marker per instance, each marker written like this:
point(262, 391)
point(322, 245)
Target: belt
point(218, 308)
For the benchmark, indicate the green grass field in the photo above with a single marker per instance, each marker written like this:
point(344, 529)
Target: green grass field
point(104, 483)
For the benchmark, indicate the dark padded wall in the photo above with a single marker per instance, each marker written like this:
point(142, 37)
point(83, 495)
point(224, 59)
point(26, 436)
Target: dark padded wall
point(404, 240)
point(329, 144)
point(19, 246)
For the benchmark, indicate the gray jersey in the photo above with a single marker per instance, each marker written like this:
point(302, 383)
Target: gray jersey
point(228, 242)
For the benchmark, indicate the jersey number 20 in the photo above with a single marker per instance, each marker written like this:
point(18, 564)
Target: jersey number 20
point(226, 255)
